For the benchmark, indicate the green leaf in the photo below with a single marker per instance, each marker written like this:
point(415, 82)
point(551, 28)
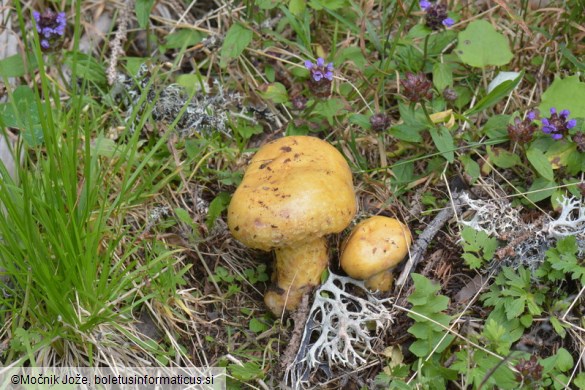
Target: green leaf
point(352, 54)
point(248, 131)
point(541, 189)
point(183, 37)
point(497, 94)
point(267, 4)
point(216, 207)
point(275, 92)
point(472, 261)
point(444, 142)
point(514, 307)
point(496, 126)
point(257, 326)
point(540, 163)
point(236, 40)
point(297, 7)
point(502, 158)
point(423, 288)
point(565, 94)
point(12, 66)
point(564, 360)
point(88, 67)
point(361, 120)
point(23, 113)
point(246, 372)
point(558, 326)
point(329, 109)
point(331, 5)
point(442, 76)
point(184, 216)
point(414, 122)
point(470, 166)
point(481, 45)
point(142, 9)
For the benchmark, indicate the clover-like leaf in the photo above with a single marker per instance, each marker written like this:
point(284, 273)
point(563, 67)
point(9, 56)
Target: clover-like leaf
point(481, 45)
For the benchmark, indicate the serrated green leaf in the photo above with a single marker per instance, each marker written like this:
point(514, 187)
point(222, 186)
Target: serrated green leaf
point(423, 288)
point(444, 142)
point(565, 94)
point(142, 9)
point(514, 307)
point(540, 163)
point(236, 40)
point(480, 45)
point(471, 260)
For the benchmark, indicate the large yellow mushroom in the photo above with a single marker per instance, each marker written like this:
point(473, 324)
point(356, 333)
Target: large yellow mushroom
point(373, 249)
point(296, 190)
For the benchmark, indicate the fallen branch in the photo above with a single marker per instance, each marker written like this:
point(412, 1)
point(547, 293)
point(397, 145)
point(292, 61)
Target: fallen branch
point(420, 246)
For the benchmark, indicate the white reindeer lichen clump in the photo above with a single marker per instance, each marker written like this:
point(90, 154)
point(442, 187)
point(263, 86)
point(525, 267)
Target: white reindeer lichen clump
point(571, 222)
point(527, 242)
point(340, 329)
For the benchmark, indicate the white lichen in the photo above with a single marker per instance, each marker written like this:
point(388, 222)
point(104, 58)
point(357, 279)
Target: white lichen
point(201, 114)
point(571, 221)
point(495, 217)
point(525, 243)
point(340, 329)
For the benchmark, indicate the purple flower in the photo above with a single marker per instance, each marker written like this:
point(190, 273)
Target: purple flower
point(50, 27)
point(523, 130)
point(436, 15)
point(424, 4)
point(558, 125)
point(319, 71)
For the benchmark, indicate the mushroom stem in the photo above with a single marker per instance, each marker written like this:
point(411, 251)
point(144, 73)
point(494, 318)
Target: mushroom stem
point(298, 269)
point(382, 281)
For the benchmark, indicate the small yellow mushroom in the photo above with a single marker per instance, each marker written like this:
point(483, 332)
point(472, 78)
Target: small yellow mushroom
point(373, 249)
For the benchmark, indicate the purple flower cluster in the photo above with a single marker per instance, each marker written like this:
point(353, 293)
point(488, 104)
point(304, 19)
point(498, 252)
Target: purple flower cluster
point(558, 125)
point(319, 71)
point(50, 26)
point(436, 15)
point(522, 130)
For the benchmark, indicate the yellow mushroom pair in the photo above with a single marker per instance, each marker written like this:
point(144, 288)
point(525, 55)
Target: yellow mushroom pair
point(297, 190)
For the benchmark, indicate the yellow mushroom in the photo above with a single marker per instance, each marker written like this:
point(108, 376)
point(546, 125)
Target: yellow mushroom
point(373, 249)
point(295, 191)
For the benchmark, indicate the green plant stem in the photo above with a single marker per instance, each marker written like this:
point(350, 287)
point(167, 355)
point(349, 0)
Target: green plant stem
point(424, 108)
point(425, 51)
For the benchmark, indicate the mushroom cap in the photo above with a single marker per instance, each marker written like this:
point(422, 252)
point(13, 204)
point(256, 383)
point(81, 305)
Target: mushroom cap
point(375, 244)
point(295, 188)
